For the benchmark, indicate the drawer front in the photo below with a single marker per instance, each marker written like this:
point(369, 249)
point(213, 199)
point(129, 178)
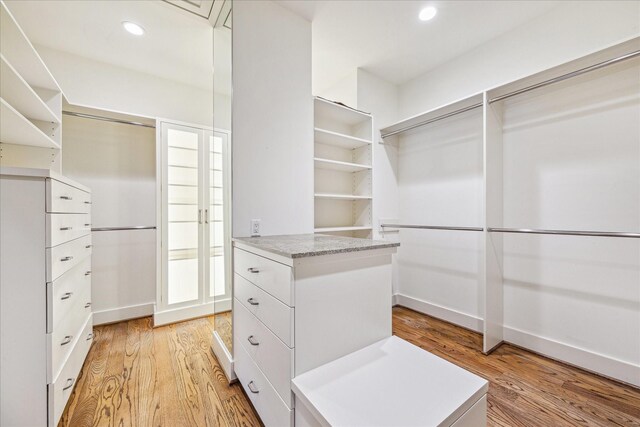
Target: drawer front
point(272, 410)
point(63, 338)
point(70, 292)
point(271, 276)
point(277, 316)
point(63, 198)
point(62, 228)
point(64, 257)
point(62, 388)
point(272, 356)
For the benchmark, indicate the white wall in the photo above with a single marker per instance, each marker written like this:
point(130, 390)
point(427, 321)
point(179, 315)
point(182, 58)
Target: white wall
point(117, 162)
point(344, 90)
point(571, 30)
point(272, 120)
point(95, 84)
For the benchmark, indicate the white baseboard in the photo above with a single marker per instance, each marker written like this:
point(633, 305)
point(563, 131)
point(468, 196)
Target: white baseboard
point(119, 314)
point(225, 359)
point(447, 314)
point(394, 300)
point(585, 359)
point(181, 314)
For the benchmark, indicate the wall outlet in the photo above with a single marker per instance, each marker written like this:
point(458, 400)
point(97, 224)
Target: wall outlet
point(255, 227)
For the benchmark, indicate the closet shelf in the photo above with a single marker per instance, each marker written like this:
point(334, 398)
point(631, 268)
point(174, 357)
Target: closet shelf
point(16, 129)
point(17, 92)
point(339, 166)
point(327, 137)
point(334, 229)
point(329, 196)
point(333, 112)
point(19, 51)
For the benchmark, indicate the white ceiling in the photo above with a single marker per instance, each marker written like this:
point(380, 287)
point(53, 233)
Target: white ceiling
point(178, 45)
point(387, 39)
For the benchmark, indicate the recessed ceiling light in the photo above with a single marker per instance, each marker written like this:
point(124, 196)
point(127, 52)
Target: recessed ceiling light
point(133, 28)
point(428, 13)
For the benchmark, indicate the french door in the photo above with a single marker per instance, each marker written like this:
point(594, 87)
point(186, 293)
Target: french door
point(194, 236)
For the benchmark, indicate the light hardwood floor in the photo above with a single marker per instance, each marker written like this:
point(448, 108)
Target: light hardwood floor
point(139, 376)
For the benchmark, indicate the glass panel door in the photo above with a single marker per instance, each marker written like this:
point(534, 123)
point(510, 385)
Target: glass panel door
point(182, 215)
point(219, 288)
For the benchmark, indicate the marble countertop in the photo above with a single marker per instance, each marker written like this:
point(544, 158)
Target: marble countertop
point(308, 245)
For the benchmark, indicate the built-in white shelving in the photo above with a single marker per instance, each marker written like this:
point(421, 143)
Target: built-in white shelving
point(31, 101)
point(339, 166)
point(323, 136)
point(342, 229)
point(16, 129)
point(343, 169)
point(330, 196)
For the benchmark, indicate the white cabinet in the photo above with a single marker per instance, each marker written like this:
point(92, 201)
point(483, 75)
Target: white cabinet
point(45, 293)
point(294, 313)
point(343, 169)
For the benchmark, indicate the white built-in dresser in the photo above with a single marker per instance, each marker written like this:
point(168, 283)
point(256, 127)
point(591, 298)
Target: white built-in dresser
point(46, 326)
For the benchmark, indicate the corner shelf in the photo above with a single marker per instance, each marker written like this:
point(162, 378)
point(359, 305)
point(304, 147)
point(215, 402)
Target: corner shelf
point(17, 93)
point(16, 129)
point(336, 139)
point(351, 197)
point(339, 166)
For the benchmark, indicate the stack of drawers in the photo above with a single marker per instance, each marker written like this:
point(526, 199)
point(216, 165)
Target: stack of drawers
point(46, 294)
point(263, 344)
point(69, 320)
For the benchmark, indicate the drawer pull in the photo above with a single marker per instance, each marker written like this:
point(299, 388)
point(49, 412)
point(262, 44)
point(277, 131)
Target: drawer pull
point(252, 387)
point(253, 302)
point(89, 337)
point(66, 296)
point(67, 258)
point(87, 305)
point(252, 341)
point(66, 228)
point(87, 273)
point(87, 225)
point(87, 203)
point(87, 247)
point(67, 340)
point(70, 383)
point(253, 270)
point(66, 197)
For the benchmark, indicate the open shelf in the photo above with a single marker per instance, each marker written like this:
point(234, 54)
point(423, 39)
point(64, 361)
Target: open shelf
point(19, 51)
point(339, 166)
point(328, 137)
point(337, 229)
point(16, 129)
point(17, 92)
point(329, 196)
point(338, 113)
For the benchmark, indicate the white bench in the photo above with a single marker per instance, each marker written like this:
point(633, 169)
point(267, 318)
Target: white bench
point(390, 383)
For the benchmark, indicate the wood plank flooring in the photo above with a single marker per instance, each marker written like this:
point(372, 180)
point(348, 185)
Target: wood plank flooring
point(143, 377)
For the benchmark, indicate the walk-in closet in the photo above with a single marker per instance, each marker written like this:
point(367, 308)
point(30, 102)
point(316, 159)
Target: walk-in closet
point(319, 213)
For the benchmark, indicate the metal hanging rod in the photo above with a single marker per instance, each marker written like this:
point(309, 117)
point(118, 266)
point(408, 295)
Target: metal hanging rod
point(565, 232)
point(107, 119)
point(431, 227)
point(567, 76)
point(435, 119)
point(135, 227)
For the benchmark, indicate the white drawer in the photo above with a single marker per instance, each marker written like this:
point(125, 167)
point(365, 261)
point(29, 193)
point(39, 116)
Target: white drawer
point(62, 339)
point(271, 276)
point(64, 257)
point(62, 388)
point(63, 198)
point(62, 228)
point(277, 316)
point(69, 292)
point(272, 410)
point(272, 356)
